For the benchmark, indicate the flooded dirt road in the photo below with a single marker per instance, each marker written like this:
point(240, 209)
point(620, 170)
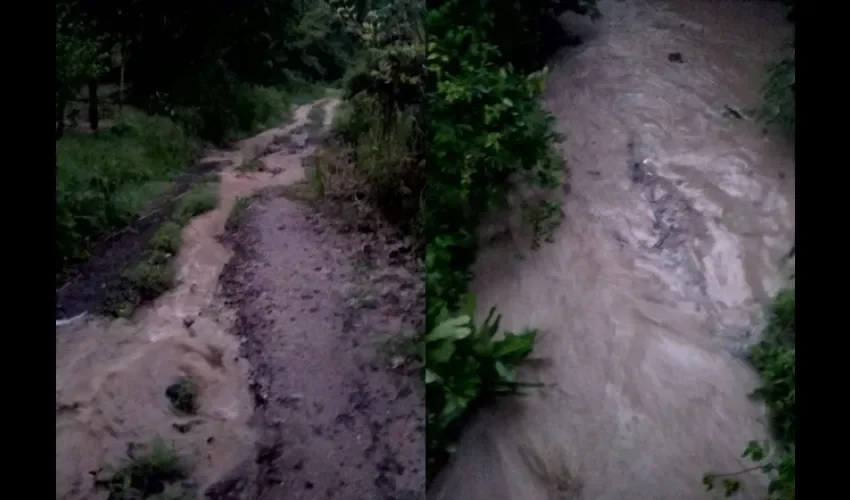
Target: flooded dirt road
point(680, 214)
point(341, 422)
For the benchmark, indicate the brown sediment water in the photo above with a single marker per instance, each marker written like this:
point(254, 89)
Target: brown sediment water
point(111, 374)
point(680, 213)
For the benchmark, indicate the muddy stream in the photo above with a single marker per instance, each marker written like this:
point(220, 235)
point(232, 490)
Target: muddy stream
point(680, 214)
point(111, 374)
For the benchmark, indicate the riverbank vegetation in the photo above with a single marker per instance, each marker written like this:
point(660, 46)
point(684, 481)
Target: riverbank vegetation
point(140, 88)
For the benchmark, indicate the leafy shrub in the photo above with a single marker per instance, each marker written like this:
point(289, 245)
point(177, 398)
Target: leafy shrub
point(775, 360)
point(224, 109)
point(525, 34)
point(466, 364)
point(487, 131)
point(381, 120)
point(199, 199)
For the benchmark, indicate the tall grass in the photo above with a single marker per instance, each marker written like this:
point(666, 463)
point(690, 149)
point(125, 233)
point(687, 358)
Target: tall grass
point(105, 180)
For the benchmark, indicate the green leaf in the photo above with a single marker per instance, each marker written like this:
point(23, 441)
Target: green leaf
point(730, 487)
point(455, 328)
point(754, 451)
point(441, 354)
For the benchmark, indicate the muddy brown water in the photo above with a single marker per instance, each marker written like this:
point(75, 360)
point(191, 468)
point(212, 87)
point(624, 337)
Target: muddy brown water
point(655, 280)
point(111, 374)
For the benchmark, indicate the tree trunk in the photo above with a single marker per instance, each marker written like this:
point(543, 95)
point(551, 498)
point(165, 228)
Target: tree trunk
point(93, 112)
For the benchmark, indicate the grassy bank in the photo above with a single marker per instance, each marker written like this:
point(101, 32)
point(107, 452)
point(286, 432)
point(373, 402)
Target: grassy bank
point(108, 179)
point(139, 172)
point(154, 273)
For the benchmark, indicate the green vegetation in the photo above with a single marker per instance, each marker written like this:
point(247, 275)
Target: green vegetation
point(380, 122)
point(152, 471)
point(467, 364)
point(151, 92)
point(107, 180)
point(167, 238)
point(201, 198)
point(487, 134)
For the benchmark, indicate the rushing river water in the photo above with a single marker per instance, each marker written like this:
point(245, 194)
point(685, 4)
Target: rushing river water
point(659, 272)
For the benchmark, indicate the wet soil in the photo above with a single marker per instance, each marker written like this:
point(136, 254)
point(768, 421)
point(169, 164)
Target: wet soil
point(338, 416)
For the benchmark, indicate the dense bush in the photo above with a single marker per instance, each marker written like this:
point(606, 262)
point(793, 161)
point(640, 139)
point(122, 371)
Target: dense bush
point(466, 364)
point(524, 34)
point(381, 120)
point(486, 131)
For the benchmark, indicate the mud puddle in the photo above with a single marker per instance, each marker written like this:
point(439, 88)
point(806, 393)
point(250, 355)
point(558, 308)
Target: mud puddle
point(112, 374)
point(678, 222)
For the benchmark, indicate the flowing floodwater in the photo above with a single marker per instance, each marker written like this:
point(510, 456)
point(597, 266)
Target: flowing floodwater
point(111, 375)
point(679, 217)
